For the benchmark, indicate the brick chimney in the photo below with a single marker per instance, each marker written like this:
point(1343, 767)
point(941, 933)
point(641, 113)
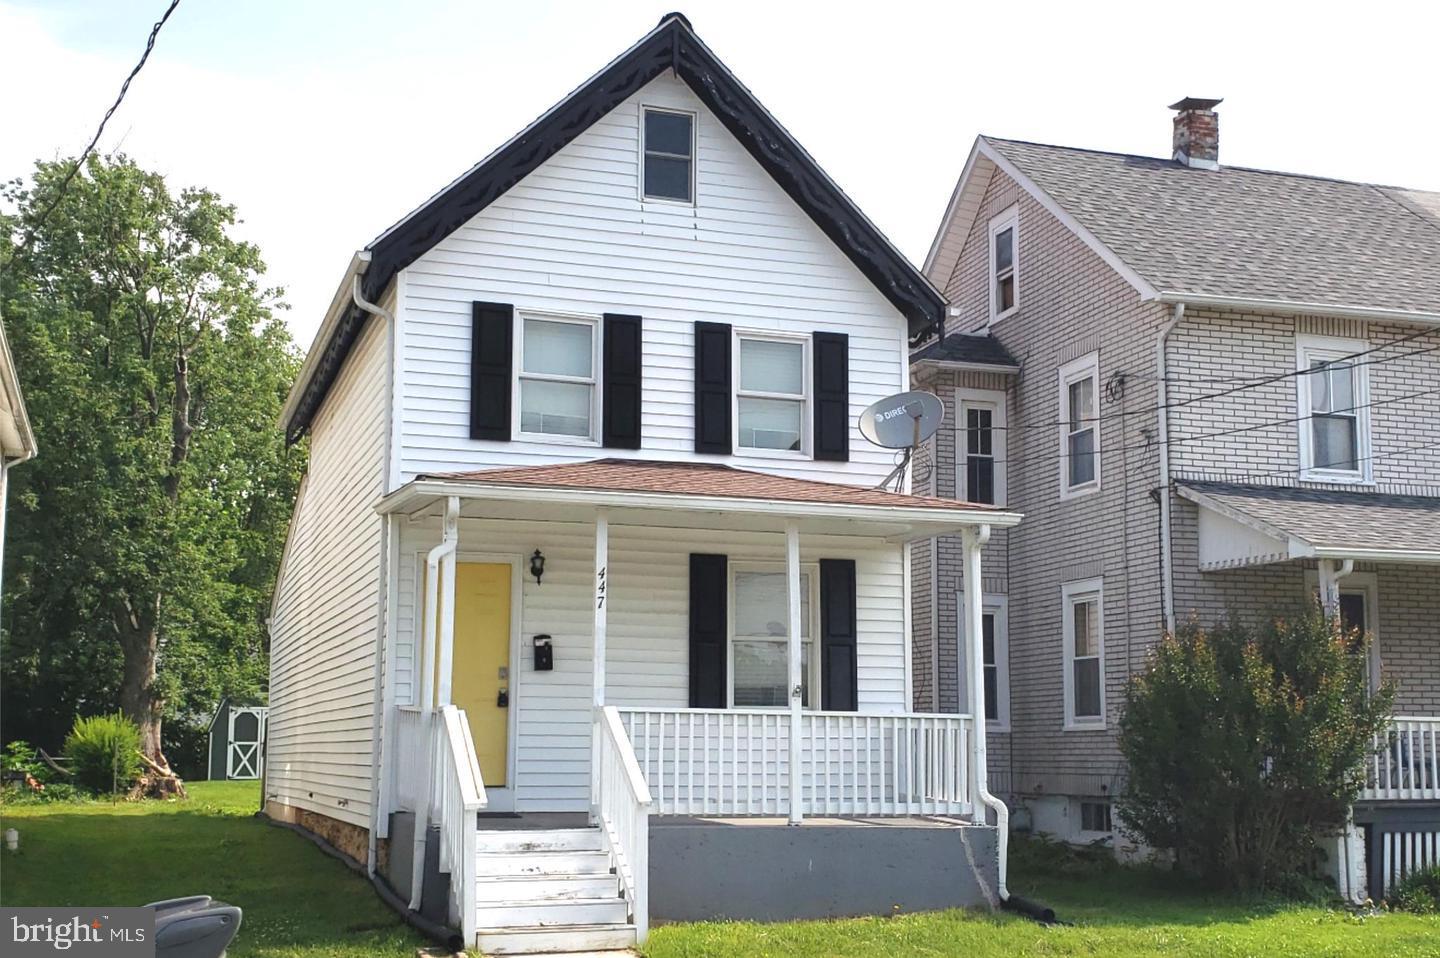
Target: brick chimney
point(1197, 133)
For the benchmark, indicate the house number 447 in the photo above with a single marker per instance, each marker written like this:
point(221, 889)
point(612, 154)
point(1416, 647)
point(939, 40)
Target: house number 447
point(600, 588)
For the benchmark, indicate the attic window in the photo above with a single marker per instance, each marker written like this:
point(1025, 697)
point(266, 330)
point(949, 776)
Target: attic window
point(1004, 230)
point(669, 156)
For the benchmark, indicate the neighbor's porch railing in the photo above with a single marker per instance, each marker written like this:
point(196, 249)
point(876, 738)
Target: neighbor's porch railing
point(622, 805)
point(1406, 762)
point(737, 762)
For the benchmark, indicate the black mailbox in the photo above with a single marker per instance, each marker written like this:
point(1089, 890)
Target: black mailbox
point(544, 654)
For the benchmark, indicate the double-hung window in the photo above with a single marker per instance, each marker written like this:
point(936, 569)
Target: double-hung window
point(995, 657)
point(981, 441)
point(1084, 635)
point(558, 359)
point(1004, 262)
point(1079, 426)
point(759, 630)
point(1334, 421)
point(669, 156)
point(772, 403)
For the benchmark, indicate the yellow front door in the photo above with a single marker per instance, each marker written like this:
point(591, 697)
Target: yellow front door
point(480, 671)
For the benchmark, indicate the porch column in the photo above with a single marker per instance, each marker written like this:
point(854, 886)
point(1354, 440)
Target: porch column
point(447, 602)
point(792, 632)
point(602, 558)
point(1330, 577)
point(974, 539)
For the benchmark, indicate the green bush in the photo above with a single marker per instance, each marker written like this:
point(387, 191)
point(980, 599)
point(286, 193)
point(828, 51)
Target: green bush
point(1418, 892)
point(1246, 746)
point(104, 752)
point(19, 759)
point(51, 793)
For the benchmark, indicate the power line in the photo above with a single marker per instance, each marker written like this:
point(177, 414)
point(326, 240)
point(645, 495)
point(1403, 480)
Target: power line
point(99, 131)
point(1420, 447)
point(1262, 379)
point(1268, 424)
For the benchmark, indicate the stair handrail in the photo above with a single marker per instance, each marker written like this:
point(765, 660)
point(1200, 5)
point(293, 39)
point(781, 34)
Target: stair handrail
point(623, 806)
point(462, 797)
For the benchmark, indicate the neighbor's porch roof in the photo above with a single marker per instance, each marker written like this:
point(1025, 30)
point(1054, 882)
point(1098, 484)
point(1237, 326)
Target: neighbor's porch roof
point(1245, 525)
point(690, 495)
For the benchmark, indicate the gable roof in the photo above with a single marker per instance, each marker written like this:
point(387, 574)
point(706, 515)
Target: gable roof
point(1229, 235)
point(672, 45)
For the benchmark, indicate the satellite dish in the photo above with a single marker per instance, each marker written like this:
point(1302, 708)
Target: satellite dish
point(902, 421)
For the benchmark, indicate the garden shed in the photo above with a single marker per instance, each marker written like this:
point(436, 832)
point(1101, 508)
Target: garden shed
point(237, 741)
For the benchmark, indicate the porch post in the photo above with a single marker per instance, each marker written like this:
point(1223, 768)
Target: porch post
point(447, 602)
point(792, 632)
point(974, 540)
point(602, 558)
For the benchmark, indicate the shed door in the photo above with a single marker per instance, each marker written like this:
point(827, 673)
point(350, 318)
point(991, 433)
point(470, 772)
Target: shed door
point(243, 753)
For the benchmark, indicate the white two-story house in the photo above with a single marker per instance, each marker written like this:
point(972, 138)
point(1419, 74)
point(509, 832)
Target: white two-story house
point(590, 540)
point(1210, 390)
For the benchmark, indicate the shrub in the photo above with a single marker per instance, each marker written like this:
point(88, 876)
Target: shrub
point(1245, 746)
point(54, 792)
point(18, 760)
point(104, 752)
point(1418, 892)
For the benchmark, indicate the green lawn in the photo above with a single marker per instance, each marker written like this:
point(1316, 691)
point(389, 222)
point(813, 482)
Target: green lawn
point(301, 904)
point(297, 901)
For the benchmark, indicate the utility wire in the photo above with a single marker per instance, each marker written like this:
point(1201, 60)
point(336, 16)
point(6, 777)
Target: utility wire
point(1421, 447)
point(99, 131)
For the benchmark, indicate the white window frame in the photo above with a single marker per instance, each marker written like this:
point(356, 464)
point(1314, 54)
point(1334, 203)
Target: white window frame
point(1365, 584)
point(1086, 367)
point(1071, 595)
point(993, 400)
point(1308, 349)
point(1009, 219)
point(694, 156)
point(593, 380)
point(807, 400)
point(810, 569)
point(1089, 833)
point(999, 607)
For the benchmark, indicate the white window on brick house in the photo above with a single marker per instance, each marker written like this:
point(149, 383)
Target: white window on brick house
point(980, 446)
point(558, 371)
point(1080, 426)
point(1332, 396)
point(772, 401)
point(1084, 636)
point(1004, 263)
point(995, 653)
point(668, 145)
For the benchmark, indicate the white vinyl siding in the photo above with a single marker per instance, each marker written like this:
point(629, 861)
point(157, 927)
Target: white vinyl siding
point(1084, 635)
point(1080, 426)
point(647, 630)
point(1332, 397)
point(575, 238)
point(327, 602)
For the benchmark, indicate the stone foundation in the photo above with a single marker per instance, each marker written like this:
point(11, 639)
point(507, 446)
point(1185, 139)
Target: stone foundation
point(350, 839)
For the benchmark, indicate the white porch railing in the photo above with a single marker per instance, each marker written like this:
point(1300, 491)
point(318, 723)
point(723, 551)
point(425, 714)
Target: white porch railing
point(623, 810)
point(1406, 763)
point(411, 751)
point(458, 796)
point(737, 762)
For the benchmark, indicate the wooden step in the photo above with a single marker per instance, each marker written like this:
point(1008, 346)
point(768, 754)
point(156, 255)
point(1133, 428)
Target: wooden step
point(545, 886)
point(550, 914)
point(541, 840)
point(542, 863)
point(545, 941)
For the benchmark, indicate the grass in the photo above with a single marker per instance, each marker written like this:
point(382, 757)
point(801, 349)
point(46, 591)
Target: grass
point(300, 903)
point(1112, 911)
point(297, 901)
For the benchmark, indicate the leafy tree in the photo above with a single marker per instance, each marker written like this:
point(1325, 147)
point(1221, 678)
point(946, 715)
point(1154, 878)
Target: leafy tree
point(144, 539)
point(1246, 745)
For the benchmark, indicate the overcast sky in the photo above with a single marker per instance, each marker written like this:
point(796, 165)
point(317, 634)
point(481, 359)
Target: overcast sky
point(325, 121)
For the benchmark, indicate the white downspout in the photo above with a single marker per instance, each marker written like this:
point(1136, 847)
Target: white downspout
point(1167, 560)
point(449, 541)
point(974, 540)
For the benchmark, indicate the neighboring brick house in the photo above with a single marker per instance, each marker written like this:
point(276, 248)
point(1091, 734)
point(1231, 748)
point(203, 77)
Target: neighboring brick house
point(1122, 325)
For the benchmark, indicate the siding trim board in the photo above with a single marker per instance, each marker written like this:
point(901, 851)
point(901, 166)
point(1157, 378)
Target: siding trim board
point(672, 45)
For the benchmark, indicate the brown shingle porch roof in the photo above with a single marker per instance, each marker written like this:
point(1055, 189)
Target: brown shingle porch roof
point(698, 479)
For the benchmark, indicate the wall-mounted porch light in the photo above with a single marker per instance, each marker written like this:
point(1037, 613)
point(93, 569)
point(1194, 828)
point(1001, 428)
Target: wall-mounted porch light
point(537, 566)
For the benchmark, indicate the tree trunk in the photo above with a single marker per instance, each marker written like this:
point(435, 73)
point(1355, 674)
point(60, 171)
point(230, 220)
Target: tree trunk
point(138, 698)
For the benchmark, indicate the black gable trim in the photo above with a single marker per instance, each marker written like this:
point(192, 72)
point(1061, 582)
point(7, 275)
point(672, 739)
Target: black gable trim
point(671, 45)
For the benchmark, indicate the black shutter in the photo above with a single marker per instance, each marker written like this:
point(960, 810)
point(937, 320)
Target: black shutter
point(620, 392)
point(838, 679)
point(832, 396)
point(492, 332)
point(708, 631)
point(712, 388)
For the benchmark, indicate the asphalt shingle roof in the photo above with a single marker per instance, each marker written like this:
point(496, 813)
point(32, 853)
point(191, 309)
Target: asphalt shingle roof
point(967, 348)
point(1248, 233)
point(1336, 520)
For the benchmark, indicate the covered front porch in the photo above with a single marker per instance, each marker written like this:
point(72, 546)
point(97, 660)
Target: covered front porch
point(701, 642)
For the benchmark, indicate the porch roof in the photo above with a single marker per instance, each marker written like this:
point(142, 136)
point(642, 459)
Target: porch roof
point(691, 494)
point(1252, 525)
